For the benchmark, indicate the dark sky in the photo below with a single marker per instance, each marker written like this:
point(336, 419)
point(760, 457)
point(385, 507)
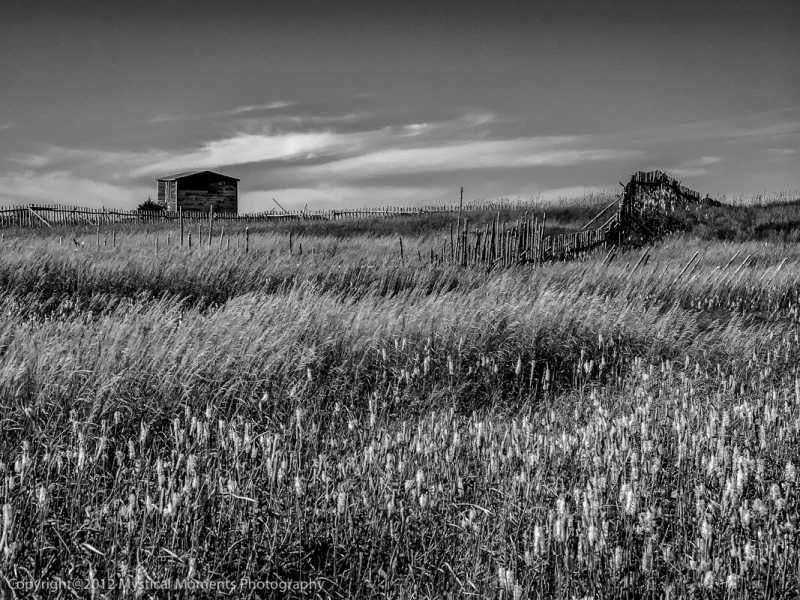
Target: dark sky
point(396, 102)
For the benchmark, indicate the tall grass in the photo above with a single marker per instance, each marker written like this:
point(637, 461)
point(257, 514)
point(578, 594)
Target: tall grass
point(777, 222)
point(584, 429)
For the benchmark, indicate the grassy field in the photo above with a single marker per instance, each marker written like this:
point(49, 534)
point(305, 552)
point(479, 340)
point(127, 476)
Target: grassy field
point(338, 424)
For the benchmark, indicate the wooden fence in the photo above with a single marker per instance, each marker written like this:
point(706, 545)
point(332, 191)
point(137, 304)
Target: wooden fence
point(522, 241)
point(37, 215)
point(641, 208)
point(47, 215)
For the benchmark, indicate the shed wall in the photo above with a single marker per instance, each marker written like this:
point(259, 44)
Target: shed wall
point(225, 199)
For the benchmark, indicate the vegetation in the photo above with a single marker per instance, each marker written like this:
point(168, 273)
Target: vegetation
point(149, 205)
point(336, 423)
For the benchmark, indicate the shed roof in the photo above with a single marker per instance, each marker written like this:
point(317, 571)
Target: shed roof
point(189, 173)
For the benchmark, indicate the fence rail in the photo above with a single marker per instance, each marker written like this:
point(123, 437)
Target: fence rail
point(38, 215)
point(47, 215)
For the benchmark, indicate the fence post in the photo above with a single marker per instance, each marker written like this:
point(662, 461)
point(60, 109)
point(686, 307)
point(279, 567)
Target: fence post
point(541, 238)
point(452, 250)
point(247, 239)
point(210, 225)
point(465, 253)
point(180, 220)
point(458, 239)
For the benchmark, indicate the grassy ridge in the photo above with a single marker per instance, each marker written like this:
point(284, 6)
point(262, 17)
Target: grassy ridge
point(778, 223)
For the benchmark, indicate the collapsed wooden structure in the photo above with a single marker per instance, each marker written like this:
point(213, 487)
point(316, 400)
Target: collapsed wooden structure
point(641, 212)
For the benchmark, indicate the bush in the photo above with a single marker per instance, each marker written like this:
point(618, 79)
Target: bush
point(150, 206)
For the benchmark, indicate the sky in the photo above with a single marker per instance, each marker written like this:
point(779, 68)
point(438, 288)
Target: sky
point(364, 103)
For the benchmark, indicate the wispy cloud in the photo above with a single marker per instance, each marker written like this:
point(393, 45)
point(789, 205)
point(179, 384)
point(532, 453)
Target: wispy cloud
point(573, 192)
point(781, 151)
point(337, 196)
point(59, 158)
point(514, 153)
point(239, 110)
point(467, 122)
point(677, 172)
point(775, 130)
point(770, 125)
point(254, 107)
point(694, 167)
point(248, 148)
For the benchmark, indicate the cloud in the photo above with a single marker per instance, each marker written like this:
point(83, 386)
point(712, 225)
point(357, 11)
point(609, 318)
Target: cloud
point(268, 106)
point(781, 151)
point(514, 153)
point(701, 162)
point(464, 123)
point(58, 158)
point(63, 188)
point(303, 120)
point(686, 172)
point(341, 196)
point(417, 129)
point(478, 118)
point(767, 131)
point(770, 125)
point(573, 192)
point(239, 110)
point(694, 167)
point(248, 148)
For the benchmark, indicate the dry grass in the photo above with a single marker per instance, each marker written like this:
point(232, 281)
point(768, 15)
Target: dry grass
point(579, 430)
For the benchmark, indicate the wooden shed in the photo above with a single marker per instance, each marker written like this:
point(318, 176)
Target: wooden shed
point(199, 191)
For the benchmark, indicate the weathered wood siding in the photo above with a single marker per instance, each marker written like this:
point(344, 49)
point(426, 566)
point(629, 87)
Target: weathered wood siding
point(167, 194)
point(223, 197)
point(172, 195)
